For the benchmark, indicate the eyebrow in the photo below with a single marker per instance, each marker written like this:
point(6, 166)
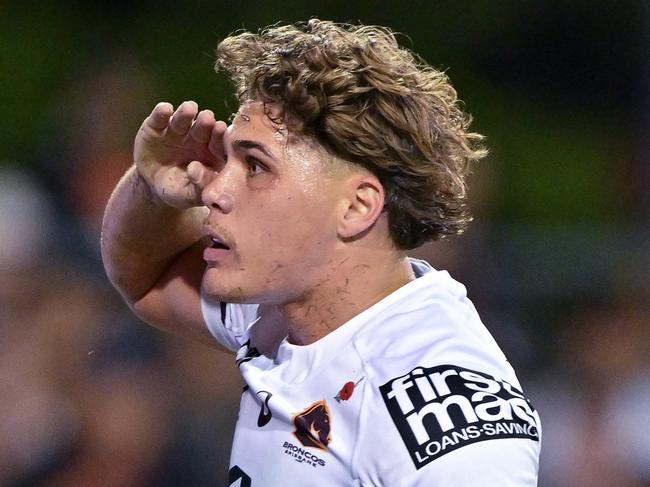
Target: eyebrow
point(251, 144)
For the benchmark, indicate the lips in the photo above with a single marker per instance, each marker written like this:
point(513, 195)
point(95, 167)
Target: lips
point(218, 246)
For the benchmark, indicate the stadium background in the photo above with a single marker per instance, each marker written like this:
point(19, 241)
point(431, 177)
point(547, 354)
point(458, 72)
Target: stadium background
point(556, 261)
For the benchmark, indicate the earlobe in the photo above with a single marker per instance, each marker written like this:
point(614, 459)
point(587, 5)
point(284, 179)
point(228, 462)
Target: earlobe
point(363, 206)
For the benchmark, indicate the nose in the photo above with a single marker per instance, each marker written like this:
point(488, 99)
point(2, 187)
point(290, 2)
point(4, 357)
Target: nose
point(218, 193)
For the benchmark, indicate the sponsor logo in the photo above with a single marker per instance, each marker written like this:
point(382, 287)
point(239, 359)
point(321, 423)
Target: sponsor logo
point(347, 390)
point(313, 426)
point(265, 413)
point(440, 409)
point(303, 456)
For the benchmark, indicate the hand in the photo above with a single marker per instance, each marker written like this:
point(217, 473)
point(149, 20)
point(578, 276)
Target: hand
point(176, 153)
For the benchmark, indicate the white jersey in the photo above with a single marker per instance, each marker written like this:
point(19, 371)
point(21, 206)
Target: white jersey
point(413, 391)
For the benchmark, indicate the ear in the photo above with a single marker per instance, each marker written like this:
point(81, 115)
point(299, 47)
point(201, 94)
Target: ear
point(362, 206)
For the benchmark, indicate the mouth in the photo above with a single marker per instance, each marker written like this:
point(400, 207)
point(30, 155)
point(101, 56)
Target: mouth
point(218, 244)
point(217, 247)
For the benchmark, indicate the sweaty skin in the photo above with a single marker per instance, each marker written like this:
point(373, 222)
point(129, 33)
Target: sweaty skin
point(283, 224)
point(278, 206)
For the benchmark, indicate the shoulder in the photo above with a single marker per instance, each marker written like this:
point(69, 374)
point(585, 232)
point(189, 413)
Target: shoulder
point(429, 322)
point(444, 392)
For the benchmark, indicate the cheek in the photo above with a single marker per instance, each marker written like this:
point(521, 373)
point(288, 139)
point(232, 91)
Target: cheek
point(289, 222)
point(293, 238)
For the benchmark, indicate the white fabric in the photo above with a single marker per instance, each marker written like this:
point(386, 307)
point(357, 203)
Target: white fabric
point(422, 350)
point(233, 331)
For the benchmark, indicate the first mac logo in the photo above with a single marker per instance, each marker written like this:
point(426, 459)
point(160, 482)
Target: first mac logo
point(440, 409)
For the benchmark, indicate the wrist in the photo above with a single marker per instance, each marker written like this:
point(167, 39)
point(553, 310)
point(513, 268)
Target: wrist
point(143, 187)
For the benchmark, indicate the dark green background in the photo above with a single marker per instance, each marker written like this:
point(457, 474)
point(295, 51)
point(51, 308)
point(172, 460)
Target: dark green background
point(556, 86)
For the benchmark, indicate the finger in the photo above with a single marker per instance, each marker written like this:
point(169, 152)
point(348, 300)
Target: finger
point(175, 188)
point(199, 174)
point(216, 145)
point(183, 117)
point(202, 126)
point(159, 117)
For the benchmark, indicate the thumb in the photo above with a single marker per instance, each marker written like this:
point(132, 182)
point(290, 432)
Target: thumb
point(199, 174)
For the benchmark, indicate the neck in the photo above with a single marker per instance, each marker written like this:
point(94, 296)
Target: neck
point(352, 285)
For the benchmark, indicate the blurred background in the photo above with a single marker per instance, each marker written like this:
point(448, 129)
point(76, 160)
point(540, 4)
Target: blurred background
point(556, 261)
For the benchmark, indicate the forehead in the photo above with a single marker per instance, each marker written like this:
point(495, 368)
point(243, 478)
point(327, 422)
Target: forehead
point(261, 123)
point(256, 118)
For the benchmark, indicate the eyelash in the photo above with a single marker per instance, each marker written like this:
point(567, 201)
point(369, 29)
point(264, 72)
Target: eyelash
point(252, 163)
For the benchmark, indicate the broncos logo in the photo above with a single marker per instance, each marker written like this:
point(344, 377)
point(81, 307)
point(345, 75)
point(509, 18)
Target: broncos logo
point(313, 425)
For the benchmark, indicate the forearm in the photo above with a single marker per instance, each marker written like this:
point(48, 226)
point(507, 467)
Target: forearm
point(142, 237)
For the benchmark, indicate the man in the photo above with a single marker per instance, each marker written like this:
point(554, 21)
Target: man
point(284, 235)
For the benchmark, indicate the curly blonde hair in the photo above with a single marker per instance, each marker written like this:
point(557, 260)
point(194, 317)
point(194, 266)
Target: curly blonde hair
point(371, 102)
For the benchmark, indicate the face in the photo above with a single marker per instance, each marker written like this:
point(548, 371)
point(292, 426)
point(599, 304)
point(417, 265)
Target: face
point(274, 205)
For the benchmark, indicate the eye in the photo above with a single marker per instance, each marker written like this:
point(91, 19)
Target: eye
point(255, 167)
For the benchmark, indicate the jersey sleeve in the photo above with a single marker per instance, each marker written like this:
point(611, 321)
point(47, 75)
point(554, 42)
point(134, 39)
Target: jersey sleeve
point(444, 407)
point(452, 426)
point(229, 323)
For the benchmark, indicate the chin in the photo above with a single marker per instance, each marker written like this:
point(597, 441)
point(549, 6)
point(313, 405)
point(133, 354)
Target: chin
point(224, 287)
point(220, 290)
point(236, 295)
